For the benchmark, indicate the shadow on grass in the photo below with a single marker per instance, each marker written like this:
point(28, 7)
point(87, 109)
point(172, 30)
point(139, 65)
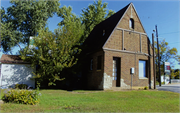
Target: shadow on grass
point(71, 90)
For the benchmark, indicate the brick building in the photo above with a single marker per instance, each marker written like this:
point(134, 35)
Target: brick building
point(116, 45)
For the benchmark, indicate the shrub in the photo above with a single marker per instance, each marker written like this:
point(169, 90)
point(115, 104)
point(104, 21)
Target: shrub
point(162, 82)
point(157, 83)
point(21, 86)
point(22, 96)
point(146, 88)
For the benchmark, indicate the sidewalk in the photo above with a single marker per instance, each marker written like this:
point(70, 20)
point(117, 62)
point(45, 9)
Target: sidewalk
point(174, 87)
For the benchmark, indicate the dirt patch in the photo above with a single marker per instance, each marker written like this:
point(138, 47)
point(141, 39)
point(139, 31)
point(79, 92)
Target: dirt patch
point(1, 102)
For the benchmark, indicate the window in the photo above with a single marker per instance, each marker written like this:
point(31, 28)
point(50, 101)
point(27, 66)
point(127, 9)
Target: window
point(114, 74)
point(99, 62)
point(103, 32)
point(91, 64)
point(131, 23)
point(142, 68)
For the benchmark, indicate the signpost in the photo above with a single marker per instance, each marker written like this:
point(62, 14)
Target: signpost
point(167, 70)
point(31, 42)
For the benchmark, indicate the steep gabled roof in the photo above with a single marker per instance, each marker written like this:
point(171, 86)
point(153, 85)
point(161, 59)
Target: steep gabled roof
point(12, 59)
point(96, 39)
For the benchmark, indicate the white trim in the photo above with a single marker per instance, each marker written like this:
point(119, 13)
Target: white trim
point(140, 43)
point(124, 51)
point(143, 78)
point(122, 39)
point(131, 12)
point(131, 4)
point(131, 31)
point(116, 26)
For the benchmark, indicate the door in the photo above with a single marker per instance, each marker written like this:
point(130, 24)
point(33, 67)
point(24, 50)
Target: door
point(116, 72)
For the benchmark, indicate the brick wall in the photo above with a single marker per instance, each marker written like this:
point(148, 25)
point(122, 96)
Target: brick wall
point(94, 76)
point(128, 60)
point(124, 23)
point(136, 44)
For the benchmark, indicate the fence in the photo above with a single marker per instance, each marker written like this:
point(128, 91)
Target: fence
point(175, 80)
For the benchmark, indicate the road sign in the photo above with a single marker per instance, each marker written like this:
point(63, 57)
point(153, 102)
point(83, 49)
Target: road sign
point(167, 67)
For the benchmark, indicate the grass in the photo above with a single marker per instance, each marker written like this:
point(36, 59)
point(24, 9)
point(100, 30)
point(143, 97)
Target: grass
point(100, 101)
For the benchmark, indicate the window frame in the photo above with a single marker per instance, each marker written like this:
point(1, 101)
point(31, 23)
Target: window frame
point(144, 69)
point(131, 23)
point(91, 64)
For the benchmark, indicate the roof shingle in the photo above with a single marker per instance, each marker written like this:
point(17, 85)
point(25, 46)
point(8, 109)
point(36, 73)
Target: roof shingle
point(96, 39)
point(12, 59)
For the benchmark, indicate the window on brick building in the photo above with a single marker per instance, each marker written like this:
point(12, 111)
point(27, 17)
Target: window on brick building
point(142, 69)
point(91, 64)
point(103, 32)
point(131, 23)
point(99, 59)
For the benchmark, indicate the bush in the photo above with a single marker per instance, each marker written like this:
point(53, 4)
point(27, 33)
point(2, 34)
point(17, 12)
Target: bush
point(157, 83)
point(162, 82)
point(21, 96)
point(21, 86)
point(146, 88)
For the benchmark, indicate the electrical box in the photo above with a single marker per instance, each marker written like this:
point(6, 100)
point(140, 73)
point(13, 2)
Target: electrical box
point(132, 70)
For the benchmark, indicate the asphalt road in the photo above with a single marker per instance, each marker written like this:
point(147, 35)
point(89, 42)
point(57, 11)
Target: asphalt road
point(170, 87)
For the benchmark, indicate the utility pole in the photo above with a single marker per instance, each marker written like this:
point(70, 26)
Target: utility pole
point(158, 57)
point(154, 68)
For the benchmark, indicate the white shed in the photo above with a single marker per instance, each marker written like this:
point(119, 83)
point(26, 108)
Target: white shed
point(15, 71)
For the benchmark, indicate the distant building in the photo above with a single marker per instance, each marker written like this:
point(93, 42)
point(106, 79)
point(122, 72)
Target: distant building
point(165, 79)
point(15, 71)
point(114, 46)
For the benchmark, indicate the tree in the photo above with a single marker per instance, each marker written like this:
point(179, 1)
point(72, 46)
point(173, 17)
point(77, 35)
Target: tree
point(55, 51)
point(93, 15)
point(23, 19)
point(60, 50)
point(175, 73)
point(166, 54)
point(90, 16)
point(9, 36)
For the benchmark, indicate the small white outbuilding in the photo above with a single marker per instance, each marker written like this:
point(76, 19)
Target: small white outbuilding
point(15, 71)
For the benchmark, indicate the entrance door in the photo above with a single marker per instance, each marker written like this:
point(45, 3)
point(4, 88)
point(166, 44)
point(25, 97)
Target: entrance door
point(116, 72)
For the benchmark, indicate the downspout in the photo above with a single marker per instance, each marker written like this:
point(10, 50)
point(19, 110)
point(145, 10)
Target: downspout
point(149, 59)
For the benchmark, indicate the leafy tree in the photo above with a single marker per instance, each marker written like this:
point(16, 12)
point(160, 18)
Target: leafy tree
point(23, 19)
point(90, 16)
point(60, 50)
point(93, 15)
point(66, 14)
point(9, 36)
point(166, 54)
point(177, 75)
point(56, 51)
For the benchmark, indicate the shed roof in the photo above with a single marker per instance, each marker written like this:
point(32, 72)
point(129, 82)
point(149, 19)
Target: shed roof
point(12, 59)
point(96, 39)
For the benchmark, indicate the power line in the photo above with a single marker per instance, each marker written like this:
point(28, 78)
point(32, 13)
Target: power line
point(174, 43)
point(170, 33)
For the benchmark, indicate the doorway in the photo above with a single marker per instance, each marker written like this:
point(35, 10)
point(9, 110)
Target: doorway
point(116, 72)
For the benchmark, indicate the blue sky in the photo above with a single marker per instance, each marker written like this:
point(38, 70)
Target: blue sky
point(163, 13)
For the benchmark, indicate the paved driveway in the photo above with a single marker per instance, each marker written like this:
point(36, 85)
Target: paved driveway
point(170, 87)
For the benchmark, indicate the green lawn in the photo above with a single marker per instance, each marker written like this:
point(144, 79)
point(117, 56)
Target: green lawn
point(100, 101)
